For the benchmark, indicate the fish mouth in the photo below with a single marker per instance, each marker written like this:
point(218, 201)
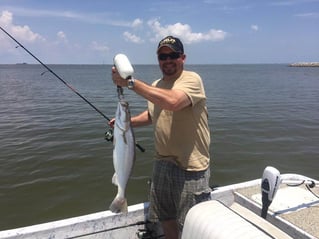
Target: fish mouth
point(124, 103)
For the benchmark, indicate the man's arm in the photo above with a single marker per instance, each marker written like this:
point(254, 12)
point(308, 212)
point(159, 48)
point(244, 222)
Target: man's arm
point(142, 119)
point(169, 99)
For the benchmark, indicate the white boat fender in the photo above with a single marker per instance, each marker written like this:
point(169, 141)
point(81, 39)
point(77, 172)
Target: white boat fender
point(214, 220)
point(123, 66)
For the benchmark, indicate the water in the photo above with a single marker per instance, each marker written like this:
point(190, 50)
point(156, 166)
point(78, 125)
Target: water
point(55, 163)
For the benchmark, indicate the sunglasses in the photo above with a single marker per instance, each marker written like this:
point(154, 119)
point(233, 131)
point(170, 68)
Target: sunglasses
point(172, 56)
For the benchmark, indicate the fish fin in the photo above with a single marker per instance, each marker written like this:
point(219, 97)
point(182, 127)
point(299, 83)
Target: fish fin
point(119, 205)
point(114, 179)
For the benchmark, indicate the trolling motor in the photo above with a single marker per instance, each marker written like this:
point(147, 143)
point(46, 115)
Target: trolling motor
point(269, 186)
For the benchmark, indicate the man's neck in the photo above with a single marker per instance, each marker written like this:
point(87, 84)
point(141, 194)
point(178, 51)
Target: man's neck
point(172, 77)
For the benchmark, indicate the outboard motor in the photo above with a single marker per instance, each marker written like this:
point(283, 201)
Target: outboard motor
point(269, 186)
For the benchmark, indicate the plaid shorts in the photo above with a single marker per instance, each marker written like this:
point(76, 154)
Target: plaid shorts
point(174, 191)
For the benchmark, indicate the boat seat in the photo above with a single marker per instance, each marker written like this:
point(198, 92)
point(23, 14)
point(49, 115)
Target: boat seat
point(214, 220)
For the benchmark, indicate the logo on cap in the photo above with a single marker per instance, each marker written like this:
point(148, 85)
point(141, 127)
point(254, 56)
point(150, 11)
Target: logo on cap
point(172, 42)
point(168, 40)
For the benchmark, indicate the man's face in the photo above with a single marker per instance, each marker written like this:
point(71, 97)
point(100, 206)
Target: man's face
point(170, 65)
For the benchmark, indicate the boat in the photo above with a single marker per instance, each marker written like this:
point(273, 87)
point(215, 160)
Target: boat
point(273, 206)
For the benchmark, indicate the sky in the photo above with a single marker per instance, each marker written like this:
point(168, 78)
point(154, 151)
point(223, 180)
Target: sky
point(213, 31)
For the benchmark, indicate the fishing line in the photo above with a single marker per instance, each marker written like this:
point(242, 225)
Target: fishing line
point(57, 76)
point(65, 83)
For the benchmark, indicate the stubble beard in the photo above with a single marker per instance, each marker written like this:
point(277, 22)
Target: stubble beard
point(169, 69)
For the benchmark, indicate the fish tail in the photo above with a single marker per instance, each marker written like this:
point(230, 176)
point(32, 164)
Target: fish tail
point(119, 205)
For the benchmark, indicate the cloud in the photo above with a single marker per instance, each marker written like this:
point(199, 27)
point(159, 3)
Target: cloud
point(308, 15)
point(23, 33)
point(254, 27)
point(132, 38)
point(62, 37)
point(292, 2)
point(6, 18)
point(99, 47)
point(103, 19)
point(184, 32)
point(136, 31)
point(137, 23)
point(283, 3)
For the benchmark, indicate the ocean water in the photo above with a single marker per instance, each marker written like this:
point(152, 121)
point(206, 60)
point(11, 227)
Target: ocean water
point(55, 163)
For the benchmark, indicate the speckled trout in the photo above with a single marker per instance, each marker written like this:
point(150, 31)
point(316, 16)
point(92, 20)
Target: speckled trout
point(123, 154)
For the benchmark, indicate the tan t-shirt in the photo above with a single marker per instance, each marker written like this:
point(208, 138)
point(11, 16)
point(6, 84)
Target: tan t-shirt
point(183, 136)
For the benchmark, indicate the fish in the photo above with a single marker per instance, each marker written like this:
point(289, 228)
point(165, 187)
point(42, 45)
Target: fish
point(123, 155)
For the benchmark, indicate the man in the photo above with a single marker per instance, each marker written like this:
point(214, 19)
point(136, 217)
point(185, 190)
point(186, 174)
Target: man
point(177, 109)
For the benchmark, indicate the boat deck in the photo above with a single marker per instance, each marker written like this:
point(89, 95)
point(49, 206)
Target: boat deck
point(294, 206)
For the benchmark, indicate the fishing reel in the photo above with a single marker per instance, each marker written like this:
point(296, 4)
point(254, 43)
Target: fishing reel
point(108, 136)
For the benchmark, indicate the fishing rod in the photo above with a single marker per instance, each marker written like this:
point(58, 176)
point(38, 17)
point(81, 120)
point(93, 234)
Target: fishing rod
point(56, 75)
point(141, 233)
point(109, 133)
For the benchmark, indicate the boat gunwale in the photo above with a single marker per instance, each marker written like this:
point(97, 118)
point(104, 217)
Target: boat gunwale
point(106, 220)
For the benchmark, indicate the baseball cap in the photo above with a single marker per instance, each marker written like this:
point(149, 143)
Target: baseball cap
point(172, 42)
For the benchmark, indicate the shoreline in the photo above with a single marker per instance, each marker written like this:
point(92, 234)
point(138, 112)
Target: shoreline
point(305, 64)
